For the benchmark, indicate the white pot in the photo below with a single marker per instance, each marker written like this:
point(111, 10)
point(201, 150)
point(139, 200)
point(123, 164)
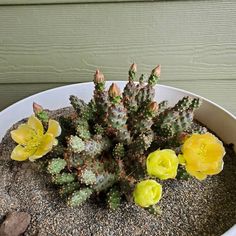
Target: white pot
point(222, 122)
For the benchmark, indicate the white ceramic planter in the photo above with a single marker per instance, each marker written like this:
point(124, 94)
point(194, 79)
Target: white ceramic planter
point(222, 122)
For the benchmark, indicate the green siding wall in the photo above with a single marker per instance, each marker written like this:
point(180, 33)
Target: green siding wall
point(48, 45)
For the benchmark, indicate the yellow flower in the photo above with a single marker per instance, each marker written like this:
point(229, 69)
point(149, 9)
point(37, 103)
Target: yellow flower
point(203, 155)
point(162, 164)
point(33, 143)
point(147, 193)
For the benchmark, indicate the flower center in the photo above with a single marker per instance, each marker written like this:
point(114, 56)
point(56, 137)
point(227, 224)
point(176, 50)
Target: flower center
point(33, 143)
point(164, 163)
point(202, 150)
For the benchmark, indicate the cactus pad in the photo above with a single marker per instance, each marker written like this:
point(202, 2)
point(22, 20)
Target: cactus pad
point(55, 166)
point(79, 197)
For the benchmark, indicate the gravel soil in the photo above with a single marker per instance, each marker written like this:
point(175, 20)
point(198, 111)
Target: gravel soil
point(188, 208)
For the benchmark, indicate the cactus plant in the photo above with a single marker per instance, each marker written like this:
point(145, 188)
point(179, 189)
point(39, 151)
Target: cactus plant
point(126, 127)
point(104, 144)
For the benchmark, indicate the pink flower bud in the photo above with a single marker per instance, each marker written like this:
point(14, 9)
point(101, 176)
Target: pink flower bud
point(114, 90)
point(133, 68)
point(153, 106)
point(157, 71)
point(98, 77)
point(37, 108)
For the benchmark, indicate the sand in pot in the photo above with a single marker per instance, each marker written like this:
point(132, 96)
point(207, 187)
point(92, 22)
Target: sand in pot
point(187, 207)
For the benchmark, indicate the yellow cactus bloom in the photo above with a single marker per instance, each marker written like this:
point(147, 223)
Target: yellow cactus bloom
point(32, 142)
point(147, 193)
point(203, 155)
point(162, 164)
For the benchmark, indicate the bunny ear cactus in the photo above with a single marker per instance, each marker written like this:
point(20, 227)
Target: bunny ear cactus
point(119, 144)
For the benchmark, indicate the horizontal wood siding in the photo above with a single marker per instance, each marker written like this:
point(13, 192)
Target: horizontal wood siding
point(36, 2)
point(42, 46)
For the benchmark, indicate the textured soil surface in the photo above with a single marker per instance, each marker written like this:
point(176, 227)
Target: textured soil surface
point(188, 207)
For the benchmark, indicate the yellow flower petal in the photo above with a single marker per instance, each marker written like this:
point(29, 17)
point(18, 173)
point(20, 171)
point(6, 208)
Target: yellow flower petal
point(20, 153)
point(54, 128)
point(162, 164)
point(44, 147)
point(36, 124)
point(197, 174)
point(55, 142)
point(216, 170)
point(215, 151)
point(22, 134)
point(181, 159)
point(203, 154)
point(147, 193)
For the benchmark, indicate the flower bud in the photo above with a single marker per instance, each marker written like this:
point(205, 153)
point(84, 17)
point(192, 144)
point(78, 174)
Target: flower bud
point(98, 77)
point(153, 107)
point(114, 91)
point(133, 68)
point(157, 71)
point(147, 193)
point(37, 108)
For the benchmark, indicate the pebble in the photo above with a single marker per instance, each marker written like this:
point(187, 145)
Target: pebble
point(15, 224)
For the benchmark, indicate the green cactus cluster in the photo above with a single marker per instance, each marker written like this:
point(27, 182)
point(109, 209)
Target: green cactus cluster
point(104, 143)
point(171, 122)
